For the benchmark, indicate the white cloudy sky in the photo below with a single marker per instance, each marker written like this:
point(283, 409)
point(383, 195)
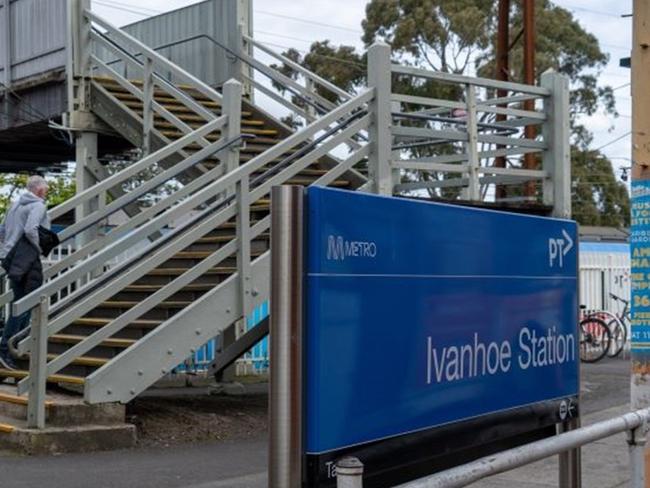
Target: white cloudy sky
point(291, 23)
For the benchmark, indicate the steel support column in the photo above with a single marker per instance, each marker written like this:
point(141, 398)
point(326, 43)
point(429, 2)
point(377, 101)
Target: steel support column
point(379, 78)
point(285, 402)
point(86, 158)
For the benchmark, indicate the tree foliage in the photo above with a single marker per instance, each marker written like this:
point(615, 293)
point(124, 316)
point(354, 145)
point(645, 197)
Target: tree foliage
point(459, 36)
point(61, 188)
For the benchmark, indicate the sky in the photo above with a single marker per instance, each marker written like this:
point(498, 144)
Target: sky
point(291, 23)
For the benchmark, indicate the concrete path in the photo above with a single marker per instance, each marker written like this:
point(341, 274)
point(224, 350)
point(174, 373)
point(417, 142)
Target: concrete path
point(242, 464)
point(239, 464)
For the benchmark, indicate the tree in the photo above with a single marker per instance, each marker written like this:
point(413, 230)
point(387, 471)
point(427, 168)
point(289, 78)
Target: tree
point(61, 188)
point(459, 36)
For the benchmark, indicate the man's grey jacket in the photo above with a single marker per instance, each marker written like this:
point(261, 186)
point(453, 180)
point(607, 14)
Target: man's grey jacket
point(23, 218)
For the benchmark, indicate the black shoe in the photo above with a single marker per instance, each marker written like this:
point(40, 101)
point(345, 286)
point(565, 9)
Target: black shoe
point(7, 363)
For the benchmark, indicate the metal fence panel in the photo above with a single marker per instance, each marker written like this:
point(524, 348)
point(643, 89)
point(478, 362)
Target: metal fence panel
point(37, 40)
point(604, 269)
point(201, 57)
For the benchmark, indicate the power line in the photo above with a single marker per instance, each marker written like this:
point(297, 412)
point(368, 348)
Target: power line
point(306, 21)
point(613, 141)
point(621, 86)
point(273, 34)
point(592, 11)
point(130, 5)
point(122, 9)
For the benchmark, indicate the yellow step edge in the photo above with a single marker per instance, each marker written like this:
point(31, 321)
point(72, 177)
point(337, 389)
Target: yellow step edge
point(180, 271)
point(129, 304)
point(84, 360)
point(6, 428)
point(148, 288)
point(100, 322)
point(19, 400)
point(111, 81)
point(74, 339)
point(55, 378)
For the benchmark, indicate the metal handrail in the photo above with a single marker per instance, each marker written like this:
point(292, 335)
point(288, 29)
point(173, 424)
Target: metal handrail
point(297, 67)
point(123, 201)
point(469, 80)
point(196, 83)
point(118, 247)
point(211, 217)
point(216, 188)
point(635, 424)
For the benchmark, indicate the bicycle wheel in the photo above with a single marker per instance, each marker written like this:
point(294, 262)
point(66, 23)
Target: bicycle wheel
point(618, 334)
point(595, 340)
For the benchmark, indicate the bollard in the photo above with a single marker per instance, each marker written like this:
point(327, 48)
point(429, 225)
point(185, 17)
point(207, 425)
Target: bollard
point(349, 473)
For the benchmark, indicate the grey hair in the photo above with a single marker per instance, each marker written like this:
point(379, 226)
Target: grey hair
point(35, 182)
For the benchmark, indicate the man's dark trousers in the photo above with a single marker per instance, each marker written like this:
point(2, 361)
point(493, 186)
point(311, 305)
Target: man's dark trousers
point(14, 324)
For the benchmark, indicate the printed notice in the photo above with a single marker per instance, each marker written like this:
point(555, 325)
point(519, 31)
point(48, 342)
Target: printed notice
point(640, 264)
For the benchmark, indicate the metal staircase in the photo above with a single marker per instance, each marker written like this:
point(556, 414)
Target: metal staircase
point(129, 304)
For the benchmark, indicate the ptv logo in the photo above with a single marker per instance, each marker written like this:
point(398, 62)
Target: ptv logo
point(558, 248)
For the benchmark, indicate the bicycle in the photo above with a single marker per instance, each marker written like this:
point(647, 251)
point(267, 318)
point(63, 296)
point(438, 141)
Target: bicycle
point(616, 325)
point(623, 319)
point(595, 339)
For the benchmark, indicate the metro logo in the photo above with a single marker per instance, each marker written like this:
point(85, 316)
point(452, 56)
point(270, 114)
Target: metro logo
point(338, 249)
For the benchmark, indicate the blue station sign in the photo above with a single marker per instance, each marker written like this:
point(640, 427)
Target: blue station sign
point(422, 315)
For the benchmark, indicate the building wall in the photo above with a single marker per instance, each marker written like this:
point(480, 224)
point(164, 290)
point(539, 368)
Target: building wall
point(33, 38)
point(201, 57)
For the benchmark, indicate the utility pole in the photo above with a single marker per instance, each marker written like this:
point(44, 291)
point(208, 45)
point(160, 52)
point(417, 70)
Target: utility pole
point(640, 230)
point(529, 79)
point(502, 73)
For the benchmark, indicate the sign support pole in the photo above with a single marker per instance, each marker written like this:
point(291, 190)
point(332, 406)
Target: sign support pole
point(286, 333)
point(640, 272)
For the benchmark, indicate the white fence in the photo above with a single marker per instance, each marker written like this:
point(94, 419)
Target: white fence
point(604, 269)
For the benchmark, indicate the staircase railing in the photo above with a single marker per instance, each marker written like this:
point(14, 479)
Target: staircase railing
point(149, 66)
point(230, 196)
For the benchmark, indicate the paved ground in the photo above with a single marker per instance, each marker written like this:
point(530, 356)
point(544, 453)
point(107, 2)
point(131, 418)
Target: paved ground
point(242, 464)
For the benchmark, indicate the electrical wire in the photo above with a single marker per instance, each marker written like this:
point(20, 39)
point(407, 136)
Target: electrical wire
point(591, 11)
point(613, 141)
point(307, 21)
point(130, 5)
point(123, 9)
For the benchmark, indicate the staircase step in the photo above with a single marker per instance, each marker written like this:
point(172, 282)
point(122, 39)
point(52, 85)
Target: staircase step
point(226, 238)
point(113, 86)
point(7, 428)
point(223, 270)
point(259, 133)
point(167, 101)
point(100, 322)
point(129, 304)
point(19, 374)
point(75, 339)
point(205, 254)
point(84, 360)
point(19, 400)
point(154, 288)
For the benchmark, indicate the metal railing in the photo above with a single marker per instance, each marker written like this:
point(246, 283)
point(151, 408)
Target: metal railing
point(150, 68)
point(635, 424)
point(218, 200)
point(452, 141)
point(357, 127)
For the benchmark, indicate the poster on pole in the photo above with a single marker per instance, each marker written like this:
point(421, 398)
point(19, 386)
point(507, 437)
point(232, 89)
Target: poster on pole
point(435, 334)
point(640, 268)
